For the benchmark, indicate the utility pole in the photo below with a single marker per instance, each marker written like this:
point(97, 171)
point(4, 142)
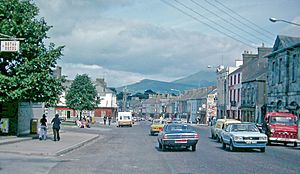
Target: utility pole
point(124, 99)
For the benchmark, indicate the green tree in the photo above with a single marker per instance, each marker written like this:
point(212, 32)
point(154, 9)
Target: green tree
point(26, 75)
point(82, 94)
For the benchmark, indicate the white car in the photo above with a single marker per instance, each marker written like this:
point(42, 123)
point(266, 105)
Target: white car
point(243, 135)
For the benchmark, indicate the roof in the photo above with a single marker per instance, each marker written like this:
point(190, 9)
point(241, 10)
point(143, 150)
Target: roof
point(283, 43)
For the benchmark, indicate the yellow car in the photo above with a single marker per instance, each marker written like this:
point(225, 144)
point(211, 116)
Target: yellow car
point(157, 126)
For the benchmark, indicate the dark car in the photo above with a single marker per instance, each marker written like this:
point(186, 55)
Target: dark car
point(178, 136)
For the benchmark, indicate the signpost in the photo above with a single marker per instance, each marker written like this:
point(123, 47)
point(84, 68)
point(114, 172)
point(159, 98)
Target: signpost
point(10, 46)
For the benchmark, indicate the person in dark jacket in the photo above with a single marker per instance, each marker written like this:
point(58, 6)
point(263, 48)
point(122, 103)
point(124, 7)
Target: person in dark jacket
point(43, 128)
point(56, 126)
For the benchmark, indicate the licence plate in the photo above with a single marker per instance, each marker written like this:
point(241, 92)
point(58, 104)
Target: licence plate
point(180, 141)
point(251, 142)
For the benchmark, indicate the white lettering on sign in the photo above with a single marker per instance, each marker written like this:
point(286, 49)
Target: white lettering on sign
point(10, 46)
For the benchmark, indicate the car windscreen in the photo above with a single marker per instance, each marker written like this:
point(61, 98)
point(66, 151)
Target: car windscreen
point(289, 121)
point(126, 117)
point(175, 128)
point(244, 127)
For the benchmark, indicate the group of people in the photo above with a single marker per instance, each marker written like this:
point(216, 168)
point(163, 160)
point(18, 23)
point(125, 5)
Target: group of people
point(55, 126)
point(105, 118)
point(84, 122)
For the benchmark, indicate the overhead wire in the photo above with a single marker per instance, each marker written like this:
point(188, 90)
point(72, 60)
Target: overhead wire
point(210, 26)
point(232, 11)
point(215, 23)
point(224, 19)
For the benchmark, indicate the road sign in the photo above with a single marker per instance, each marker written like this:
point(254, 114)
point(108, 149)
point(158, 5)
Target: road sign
point(10, 46)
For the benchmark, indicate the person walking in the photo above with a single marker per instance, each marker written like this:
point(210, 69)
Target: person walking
point(43, 128)
point(104, 120)
point(109, 120)
point(56, 126)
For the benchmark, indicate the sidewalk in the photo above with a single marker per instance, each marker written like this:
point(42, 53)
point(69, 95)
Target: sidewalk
point(32, 146)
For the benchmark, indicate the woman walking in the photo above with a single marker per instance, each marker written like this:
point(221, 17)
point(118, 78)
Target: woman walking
point(56, 126)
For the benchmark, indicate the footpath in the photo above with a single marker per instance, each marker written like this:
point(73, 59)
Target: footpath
point(31, 145)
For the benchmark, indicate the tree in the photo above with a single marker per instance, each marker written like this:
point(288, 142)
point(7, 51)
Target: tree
point(82, 94)
point(27, 75)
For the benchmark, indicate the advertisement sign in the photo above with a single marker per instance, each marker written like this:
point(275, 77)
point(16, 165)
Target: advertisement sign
point(10, 46)
point(4, 125)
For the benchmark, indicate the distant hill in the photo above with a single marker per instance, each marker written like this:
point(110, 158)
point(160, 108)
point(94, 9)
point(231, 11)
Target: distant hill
point(156, 86)
point(200, 79)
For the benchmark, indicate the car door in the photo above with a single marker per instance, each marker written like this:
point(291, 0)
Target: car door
point(226, 134)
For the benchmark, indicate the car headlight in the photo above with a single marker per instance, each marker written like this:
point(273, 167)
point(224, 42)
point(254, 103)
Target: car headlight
point(238, 138)
point(272, 130)
point(263, 138)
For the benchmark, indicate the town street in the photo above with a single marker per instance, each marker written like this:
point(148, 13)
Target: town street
point(132, 150)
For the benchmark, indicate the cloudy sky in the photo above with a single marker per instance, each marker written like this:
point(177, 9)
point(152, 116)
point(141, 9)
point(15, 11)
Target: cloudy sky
point(125, 41)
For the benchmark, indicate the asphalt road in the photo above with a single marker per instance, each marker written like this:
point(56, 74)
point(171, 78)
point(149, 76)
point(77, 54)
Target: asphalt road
point(132, 150)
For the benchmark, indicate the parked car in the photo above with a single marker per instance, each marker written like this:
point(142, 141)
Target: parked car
point(179, 136)
point(157, 126)
point(243, 135)
point(220, 126)
point(281, 127)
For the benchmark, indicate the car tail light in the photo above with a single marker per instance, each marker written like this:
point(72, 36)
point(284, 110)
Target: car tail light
point(165, 137)
point(160, 129)
point(196, 136)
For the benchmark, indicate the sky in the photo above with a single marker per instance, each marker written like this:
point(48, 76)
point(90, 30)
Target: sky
point(126, 41)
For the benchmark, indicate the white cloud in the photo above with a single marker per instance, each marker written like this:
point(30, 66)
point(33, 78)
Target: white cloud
point(126, 40)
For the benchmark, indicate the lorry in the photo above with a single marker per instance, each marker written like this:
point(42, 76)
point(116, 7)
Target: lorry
point(281, 127)
point(124, 119)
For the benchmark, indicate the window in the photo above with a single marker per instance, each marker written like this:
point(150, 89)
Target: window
point(234, 79)
point(230, 80)
point(279, 71)
point(239, 78)
point(273, 73)
point(234, 95)
point(238, 95)
point(294, 68)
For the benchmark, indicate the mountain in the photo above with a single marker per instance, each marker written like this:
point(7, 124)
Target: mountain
point(156, 86)
point(199, 79)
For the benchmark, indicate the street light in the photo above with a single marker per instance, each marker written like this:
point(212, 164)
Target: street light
point(275, 20)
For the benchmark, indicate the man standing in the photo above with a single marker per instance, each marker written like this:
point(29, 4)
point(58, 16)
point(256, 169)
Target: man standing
point(56, 126)
point(109, 119)
point(43, 128)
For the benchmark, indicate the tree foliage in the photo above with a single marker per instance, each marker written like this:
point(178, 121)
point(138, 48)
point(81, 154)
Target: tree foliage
point(82, 94)
point(27, 75)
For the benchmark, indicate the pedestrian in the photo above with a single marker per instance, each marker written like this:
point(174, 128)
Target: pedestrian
point(109, 119)
point(104, 120)
point(43, 128)
point(56, 126)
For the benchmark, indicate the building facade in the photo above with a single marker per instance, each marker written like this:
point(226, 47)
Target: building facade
point(284, 75)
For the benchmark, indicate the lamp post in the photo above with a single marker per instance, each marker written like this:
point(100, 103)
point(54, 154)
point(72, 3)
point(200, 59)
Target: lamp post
point(275, 20)
point(177, 102)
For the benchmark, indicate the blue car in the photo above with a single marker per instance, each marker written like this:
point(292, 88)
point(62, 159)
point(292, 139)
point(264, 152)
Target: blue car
point(177, 136)
point(243, 136)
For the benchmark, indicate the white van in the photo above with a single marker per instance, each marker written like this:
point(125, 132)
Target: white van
point(124, 119)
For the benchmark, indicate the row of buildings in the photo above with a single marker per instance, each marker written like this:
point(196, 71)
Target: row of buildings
point(268, 80)
point(262, 82)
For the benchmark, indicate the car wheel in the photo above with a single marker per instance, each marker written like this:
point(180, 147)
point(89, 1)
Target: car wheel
point(295, 144)
point(159, 145)
point(163, 147)
point(231, 147)
point(285, 143)
point(212, 136)
point(218, 139)
point(263, 149)
point(194, 148)
point(223, 145)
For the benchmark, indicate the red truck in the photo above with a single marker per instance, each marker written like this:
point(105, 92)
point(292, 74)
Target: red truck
point(281, 127)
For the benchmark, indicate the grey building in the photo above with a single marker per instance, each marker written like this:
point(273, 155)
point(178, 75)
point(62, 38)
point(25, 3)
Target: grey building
point(284, 75)
point(254, 86)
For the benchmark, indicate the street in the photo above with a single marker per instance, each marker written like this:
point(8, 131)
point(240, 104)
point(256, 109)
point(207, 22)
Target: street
point(133, 150)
